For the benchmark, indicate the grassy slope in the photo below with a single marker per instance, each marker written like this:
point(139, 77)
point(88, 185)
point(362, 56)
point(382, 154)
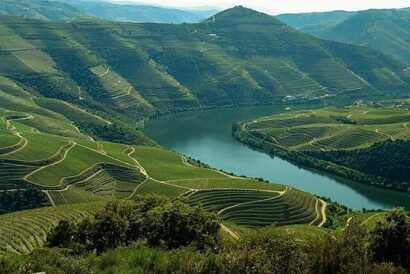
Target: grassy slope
point(240, 57)
point(350, 142)
point(334, 129)
point(82, 159)
point(65, 168)
point(66, 54)
point(383, 30)
point(40, 9)
point(72, 10)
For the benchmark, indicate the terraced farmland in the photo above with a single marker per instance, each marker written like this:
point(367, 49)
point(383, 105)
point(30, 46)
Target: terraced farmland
point(369, 144)
point(332, 129)
point(23, 231)
point(292, 207)
point(261, 208)
point(117, 90)
point(75, 172)
point(219, 199)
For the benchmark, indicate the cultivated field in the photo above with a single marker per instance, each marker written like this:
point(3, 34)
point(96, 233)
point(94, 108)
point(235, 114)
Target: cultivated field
point(78, 174)
point(333, 129)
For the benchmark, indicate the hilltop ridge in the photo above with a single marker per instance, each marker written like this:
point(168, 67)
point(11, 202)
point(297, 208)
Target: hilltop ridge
point(385, 30)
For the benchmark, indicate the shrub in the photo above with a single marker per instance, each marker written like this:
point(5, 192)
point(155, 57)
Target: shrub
point(391, 239)
point(158, 221)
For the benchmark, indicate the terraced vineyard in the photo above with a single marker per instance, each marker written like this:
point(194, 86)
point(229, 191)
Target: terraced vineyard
point(368, 144)
point(260, 208)
point(79, 174)
point(332, 129)
point(130, 69)
point(21, 232)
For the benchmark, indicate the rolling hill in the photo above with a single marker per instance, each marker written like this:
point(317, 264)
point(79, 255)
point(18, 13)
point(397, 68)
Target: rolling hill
point(238, 57)
point(315, 20)
point(48, 163)
point(138, 13)
point(71, 93)
point(63, 10)
point(367, 144)
point(40, 9)
point(51, 165)
point(383, 30)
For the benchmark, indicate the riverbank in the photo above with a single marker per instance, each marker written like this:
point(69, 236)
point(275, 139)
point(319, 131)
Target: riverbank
point(258, 141)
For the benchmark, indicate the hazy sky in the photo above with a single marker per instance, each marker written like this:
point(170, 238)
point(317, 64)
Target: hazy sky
point(282, 6)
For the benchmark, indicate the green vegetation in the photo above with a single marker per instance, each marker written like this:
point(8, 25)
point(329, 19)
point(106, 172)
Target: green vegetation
point(158, 221)
point(165, 165)
point(70, 166)
point(384, 29)
point(80, 170)
point(40, 9)
point(15, 200)
point(367, 144)
point(149, 69)
point(147, 240)
point(70, 10)
point(22, 232)
point(69, 109)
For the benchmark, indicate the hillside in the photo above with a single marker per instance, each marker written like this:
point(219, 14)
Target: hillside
point(383, 30)
point(314, 20)
point(138, 13)
point(64, 10)
point(239, 57)
point(40, 9)
point(47, 161)
point(366, 144)
point(76, 175)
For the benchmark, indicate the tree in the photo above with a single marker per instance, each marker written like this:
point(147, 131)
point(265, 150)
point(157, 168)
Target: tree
point(160, 222)
point(391, 239)
point(353, 250)
point(61, 235)
point(176, 224)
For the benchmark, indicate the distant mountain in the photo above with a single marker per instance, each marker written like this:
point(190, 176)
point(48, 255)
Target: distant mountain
point(138, 13)
point(385, 30)
point(40, 9)
point(69, 10)
point(314, 20)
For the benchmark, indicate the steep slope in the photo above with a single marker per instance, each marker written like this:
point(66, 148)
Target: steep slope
point(69, 10)
point(314, 20)
point(383, 30)
point(238, 57)
point(40, 9)
point(138, 13)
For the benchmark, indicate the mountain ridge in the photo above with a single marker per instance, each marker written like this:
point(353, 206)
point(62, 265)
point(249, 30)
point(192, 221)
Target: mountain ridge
point(63, 10)
point(137, 70)
point(385, 30)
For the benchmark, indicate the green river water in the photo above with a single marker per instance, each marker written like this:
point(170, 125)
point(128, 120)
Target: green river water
point(207, 136)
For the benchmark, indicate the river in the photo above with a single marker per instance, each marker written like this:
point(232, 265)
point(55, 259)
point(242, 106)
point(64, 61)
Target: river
point(207, 136)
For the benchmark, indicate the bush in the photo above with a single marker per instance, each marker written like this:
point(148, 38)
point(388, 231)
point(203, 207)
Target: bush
point(391, 239)
point(160, 222)
point(22, 199)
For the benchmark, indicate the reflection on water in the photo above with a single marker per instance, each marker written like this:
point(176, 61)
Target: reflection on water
point(207, 136)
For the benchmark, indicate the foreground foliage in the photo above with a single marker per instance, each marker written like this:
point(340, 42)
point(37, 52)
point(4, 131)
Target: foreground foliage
point(354, 250)
point(155, 220)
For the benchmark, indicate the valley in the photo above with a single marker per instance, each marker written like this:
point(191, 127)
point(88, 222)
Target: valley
point(231, 144)
point(82, 174)
point(200, 137)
